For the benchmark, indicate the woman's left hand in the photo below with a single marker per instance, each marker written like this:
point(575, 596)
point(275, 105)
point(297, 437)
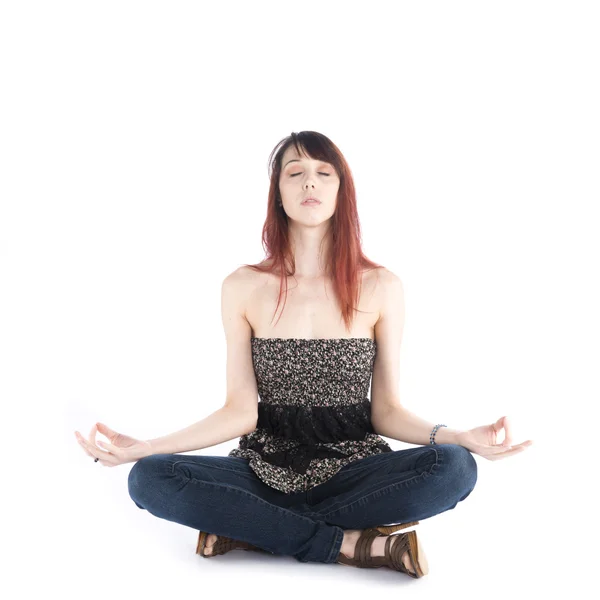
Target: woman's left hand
point(482, 440)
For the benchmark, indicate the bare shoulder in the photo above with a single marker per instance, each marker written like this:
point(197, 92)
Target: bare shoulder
point(388, 292)
point(241, 275)
point(241, 279)
point(387, 278)
point(238, 287)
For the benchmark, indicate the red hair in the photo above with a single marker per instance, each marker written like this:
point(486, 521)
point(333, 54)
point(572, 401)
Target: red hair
point(346, 261)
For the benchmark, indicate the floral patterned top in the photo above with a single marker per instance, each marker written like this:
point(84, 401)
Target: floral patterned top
point(314, 415)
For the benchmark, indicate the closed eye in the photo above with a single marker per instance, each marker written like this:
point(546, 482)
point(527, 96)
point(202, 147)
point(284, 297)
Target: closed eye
point(326, 174)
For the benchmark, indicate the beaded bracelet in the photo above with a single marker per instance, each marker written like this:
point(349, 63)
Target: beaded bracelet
point(433, 432)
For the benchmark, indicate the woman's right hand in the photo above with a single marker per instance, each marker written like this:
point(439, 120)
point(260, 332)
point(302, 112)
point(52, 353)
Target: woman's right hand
point(121, 449)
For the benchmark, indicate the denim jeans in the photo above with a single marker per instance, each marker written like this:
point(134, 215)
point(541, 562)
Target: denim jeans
point(223, 495)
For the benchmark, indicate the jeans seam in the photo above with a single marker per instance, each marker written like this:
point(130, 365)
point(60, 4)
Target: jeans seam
point(237, 471)
point(357, 465)
point(423, 475)
point(335, 549)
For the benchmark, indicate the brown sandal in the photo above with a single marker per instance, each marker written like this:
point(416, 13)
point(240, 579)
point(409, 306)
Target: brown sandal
point(225, 544)
point(222, 545)
point(407, 542)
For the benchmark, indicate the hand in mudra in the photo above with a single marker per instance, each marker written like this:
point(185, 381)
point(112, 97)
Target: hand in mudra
point(121, 449)
point(482, 440)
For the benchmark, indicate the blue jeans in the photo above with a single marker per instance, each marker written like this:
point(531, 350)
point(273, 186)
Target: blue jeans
point(223, 495)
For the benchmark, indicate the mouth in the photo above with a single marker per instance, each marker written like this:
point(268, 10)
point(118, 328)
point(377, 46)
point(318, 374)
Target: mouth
point(311, 201)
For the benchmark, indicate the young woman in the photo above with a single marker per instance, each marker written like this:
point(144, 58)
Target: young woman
point(311, 476)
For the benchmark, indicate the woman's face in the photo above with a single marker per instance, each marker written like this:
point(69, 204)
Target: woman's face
point(302, 177)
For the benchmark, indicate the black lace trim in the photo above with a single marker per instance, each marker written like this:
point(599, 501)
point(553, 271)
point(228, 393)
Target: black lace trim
point(316, 424)
point(298, 458)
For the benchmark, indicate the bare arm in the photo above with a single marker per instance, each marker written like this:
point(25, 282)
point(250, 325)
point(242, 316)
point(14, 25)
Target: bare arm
point(222, 425)
point(400, 424)
point(389, 417)
point(239, 414)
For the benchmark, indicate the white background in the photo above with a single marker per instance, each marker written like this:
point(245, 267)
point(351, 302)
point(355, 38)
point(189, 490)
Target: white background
point(134, 139)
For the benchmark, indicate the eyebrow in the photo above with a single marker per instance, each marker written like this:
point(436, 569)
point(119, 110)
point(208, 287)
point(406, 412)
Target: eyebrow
point(297, 160)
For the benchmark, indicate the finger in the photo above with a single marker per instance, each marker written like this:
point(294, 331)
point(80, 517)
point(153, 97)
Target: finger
point(493, 450)
point(524, 444)
point(96, 442)
point(106, 431)
point(505, 454)
point(91, 441)
point(86, 446)
point(108, 447)
point(92, 436)
point(498, 448)
point(498, 426)
point(79, 439)
point(94, 451)
point(507, 448)
point(507, 432)
point(512, 450)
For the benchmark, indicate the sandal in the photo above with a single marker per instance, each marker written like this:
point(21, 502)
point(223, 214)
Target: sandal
point(225, 544)
point(406, 542)
point(222, 545)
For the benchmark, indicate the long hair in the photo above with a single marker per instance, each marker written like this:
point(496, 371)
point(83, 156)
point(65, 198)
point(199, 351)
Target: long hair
point(346, 261)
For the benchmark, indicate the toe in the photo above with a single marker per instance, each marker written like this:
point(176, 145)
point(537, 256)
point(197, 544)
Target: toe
point(210, 542)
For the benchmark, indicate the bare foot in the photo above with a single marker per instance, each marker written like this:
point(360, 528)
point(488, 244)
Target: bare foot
point(377, 549)
point(210, 542)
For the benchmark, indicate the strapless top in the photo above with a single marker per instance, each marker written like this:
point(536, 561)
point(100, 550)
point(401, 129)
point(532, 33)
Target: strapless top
point(314, 414)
